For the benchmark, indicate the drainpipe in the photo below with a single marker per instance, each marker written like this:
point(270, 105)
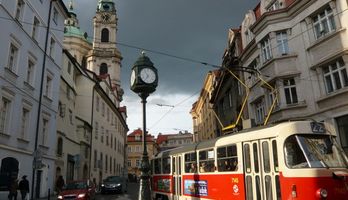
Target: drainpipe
point(40, 98)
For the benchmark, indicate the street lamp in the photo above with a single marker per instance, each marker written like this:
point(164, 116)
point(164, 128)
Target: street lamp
point(144, 80)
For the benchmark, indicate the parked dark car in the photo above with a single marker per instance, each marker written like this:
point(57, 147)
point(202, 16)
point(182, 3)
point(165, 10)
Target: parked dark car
point(81, 190)
point(114, 184)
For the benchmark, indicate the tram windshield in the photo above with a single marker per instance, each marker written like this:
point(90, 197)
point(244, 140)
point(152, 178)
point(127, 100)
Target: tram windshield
point(313, 151)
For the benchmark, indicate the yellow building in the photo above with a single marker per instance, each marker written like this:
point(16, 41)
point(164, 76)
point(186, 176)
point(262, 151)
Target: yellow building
point(135, 151)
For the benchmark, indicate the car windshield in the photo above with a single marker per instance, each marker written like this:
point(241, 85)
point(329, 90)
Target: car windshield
point(313, 151)
point(113, 179)
point(75, 186)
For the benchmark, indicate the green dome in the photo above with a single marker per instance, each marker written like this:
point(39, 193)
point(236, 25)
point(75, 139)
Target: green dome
point(72, 31)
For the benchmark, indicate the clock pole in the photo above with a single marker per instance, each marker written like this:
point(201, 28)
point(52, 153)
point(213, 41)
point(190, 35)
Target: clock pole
point(144, 80)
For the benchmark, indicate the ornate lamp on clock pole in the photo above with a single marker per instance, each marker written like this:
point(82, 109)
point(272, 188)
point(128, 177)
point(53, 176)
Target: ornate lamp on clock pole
point(144, 80)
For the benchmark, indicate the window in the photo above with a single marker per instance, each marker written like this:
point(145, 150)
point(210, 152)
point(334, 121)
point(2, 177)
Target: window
point(95, 159)
point(19, 10)
point(129, 149)
point(157, 166)
point(5, 114)
point(68, 92)
point(55, 16)
point(137, 138)
point(110, 164)
point(71, 117)
point(35, 30)
point(107, 137)
point(105, 35)
point(324, 23)
point(335, 76)
point(107, 114)
point(227, 158)
point(103, 69)
point(106, 163)
point(137, 149)
point(206, 161)
point(282, 43)
point(260, 111)
point(266, 50)
point(97, 103)
point(166, 165)
point(129, 163)
point(52, 47)
point(12, 58)
point(255, 66)
point(137, 163)
point(25, 122)
point(103, 109)
point(30, 71)
point(274, 6)
point(96, 130)
point(48, 89)
point(69, 67)
point(44, 132)
point(290, 91)
point(102, 135)
point(60, 147)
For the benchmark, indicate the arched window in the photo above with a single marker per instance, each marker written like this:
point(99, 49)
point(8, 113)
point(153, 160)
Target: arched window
point(105, 35)
point(8, 171)
point(60, 146)
point(103, 69)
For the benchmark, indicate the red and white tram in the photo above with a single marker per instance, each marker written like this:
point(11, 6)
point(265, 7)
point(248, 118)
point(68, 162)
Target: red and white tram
point(292, 160)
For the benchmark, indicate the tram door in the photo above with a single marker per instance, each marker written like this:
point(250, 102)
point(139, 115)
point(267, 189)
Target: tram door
point(261, 170)
point(177, 177)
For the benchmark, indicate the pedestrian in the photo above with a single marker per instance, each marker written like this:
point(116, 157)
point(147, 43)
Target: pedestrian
point(60, 184)
point(24, 187)
point(13, 189)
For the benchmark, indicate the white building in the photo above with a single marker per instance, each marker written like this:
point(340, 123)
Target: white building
point(96, 103)
point(299, 47)
point(29, 88)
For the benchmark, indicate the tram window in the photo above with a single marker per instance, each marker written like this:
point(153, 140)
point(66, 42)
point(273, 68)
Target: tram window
point(247, 158)
point(277, 182)
point(294, 157)
point(166, 165)
point(275, 155)
point(157, 166)
point(268, 184)
point(190, 163)
point(206, 161)
point(249, 188)
point(256, 158)
point(227, 158)
point(266, 158)
point(173, 164)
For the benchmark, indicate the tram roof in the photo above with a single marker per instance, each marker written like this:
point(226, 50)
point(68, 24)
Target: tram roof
point(238, 136)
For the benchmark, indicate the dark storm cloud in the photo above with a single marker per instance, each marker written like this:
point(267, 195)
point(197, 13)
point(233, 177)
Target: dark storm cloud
point(194, 29)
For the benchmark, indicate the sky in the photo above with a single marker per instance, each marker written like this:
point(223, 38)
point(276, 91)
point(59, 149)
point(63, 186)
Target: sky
point(177, 35)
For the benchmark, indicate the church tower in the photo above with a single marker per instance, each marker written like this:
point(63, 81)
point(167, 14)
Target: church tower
point(105, 59)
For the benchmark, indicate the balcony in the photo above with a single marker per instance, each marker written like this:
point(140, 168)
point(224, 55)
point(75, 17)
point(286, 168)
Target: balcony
point(280, 66)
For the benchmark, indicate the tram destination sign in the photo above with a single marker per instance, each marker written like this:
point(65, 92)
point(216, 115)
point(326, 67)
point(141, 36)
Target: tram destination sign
point(318, 127)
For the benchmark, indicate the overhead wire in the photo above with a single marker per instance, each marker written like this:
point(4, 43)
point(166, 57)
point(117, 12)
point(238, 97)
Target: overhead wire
point(185, 58)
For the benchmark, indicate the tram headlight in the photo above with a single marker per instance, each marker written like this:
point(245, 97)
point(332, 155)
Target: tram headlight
point(322, 193)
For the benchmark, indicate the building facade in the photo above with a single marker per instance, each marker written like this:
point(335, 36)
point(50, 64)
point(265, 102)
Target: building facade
point(204, 118)
point(170, 141)
point(299, 51)
point(100, 121)
point(135, 152)
point(32, 40)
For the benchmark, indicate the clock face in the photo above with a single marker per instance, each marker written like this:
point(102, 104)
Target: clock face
point(132, 77)
point(147, 75)
point(106, 7)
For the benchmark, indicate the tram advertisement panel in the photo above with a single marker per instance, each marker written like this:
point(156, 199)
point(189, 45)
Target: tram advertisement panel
point(196, 188)
point(163, 185)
